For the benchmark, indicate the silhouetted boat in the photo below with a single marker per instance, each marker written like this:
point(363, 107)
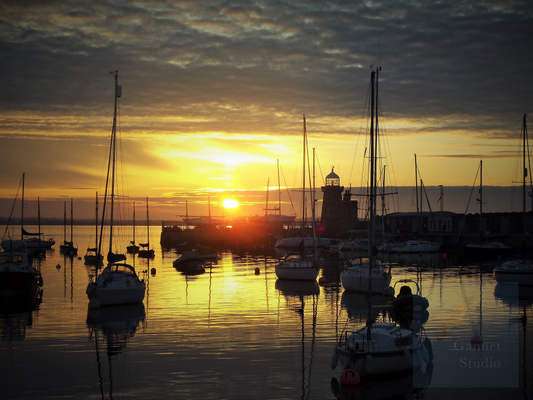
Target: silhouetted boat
point(118, 283)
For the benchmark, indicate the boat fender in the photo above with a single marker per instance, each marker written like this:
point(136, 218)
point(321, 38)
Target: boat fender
point(368, 363)
point(407, 356)
point(429, 348)
point(335, 357)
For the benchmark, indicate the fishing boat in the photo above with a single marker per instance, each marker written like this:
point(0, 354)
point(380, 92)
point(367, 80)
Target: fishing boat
point(379, 347)
point(300, 266)
point(519, 270)
point(145, 251)
point(118, 283)
point(26, 243)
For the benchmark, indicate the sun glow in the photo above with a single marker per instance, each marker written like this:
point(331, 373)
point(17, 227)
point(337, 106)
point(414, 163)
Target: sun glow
point(230, 203)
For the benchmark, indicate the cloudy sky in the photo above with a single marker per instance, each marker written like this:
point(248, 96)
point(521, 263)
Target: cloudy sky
point(213, 93)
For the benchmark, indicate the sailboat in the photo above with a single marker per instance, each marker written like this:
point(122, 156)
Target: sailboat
point(483, 250)
point(519, 270)
point(146, 251)
point(299, 266)
point(24, 243)
point(67, 247)
point(133, 248)
point(118, 283)
point(379, 347)
point(366, 274)
point(92, 256)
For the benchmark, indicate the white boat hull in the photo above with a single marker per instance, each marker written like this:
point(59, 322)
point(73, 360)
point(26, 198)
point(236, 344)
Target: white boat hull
point(301, 270)
point(515, 271)
point(359, 282)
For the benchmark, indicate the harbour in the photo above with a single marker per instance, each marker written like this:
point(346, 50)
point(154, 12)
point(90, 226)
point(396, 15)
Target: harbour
point(236, 331)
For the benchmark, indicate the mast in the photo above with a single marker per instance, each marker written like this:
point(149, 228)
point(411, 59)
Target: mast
point(266, 205)
point(524, 135)
point(64, 223)
point(313, 205)
point(372, 174)
point(416, 196)
point(480, 200)
point(22, 215)
point(118, 93)
point(279, 191)
point(39, 218)
point(147, 223)
point(71, 222)
point(303, 182)
point(96, 228)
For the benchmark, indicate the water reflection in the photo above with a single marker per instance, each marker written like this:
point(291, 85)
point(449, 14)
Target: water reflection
point(297, 294)
point(17, 313)
point(112, 327)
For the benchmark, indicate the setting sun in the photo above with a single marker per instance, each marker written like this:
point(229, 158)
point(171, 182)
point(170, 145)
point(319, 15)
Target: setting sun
point(230, 203)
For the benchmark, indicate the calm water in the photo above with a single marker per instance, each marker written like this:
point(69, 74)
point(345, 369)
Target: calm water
point(231, 333)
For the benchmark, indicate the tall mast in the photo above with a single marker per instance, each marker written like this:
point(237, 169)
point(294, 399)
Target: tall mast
point(416, 196)
point(22, 215)
point(279, 191)
point(480, 200)
point(96, 227)
point(372, 173)
point(266, 201)
point(133, 223)
point(114, 154)
point(71, 222)
point(64, 222)
point(147, 223)
point(303, 182)
point(524, 134)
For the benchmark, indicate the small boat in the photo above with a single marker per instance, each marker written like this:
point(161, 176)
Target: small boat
point(190, 262)
point(519, 271)
point(67, 247)
point(145, 251)
point(356, 277)
point(133, 248)
point(378, 348)
point(410, 246)
point(118, 283)
point(300, 266)
point(408, 305)
point(33, 244)
point(17, 274)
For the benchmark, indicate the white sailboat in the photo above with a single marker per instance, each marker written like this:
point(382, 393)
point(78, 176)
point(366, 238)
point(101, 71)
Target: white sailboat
point(366, 274)
point(518, 270)
point(25, 243)
point(378, 348)
point(118, 283)
point(299, 266)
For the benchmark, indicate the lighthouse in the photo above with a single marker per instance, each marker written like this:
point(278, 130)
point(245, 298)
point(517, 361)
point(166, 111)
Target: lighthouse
point(339, 212)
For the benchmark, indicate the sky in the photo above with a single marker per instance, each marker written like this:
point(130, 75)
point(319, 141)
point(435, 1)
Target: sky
point(214, 93)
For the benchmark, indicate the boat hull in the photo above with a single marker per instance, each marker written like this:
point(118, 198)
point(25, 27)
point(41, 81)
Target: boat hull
point(299, 270)
point(516, 271)
point(112, 296)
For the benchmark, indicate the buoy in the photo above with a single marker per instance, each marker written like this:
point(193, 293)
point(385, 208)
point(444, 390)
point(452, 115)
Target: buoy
point(79, 258)
point(322, 281)
point(58, 266)
point(476, 342)
point(153, 271)
point(257, 270)
point(349, 377)
point(444, 256)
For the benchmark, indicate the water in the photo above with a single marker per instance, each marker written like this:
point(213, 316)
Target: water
point(231, 333)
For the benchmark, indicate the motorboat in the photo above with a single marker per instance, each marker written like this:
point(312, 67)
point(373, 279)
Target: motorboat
point(520, 271)
point(190, 262)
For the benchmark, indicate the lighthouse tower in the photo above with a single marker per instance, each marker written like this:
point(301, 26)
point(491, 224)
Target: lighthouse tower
point(339, 213)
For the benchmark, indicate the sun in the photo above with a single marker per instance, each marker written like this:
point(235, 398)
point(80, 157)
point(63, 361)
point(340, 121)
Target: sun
point(230, 203)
